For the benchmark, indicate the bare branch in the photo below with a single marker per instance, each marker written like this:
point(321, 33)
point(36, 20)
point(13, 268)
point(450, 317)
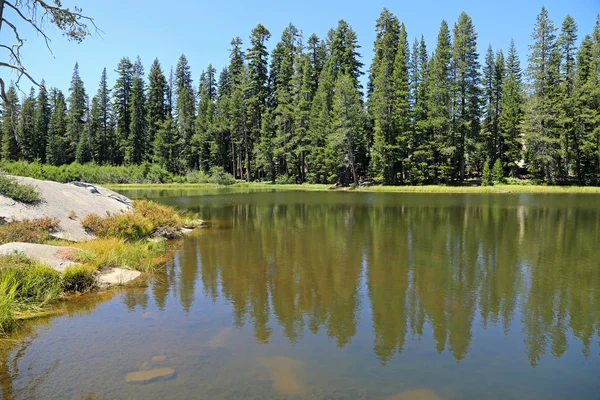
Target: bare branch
point(21, 71)
point(13, 55)
point(32, 23)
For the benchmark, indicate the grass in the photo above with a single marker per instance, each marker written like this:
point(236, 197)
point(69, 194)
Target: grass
point(115, 252)
point(520, 186)
point(17, 191)
point(79, 278)
point(148, 218)
point(25, 285)
point(28, 230)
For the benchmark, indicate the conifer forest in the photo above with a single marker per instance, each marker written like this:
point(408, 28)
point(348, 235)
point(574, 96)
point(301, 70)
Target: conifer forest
point(428, 113)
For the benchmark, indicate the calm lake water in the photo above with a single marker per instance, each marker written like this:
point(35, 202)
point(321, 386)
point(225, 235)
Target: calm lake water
point(317, 295)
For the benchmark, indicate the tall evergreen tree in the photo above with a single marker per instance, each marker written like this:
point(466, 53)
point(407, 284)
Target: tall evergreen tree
point(440, 106)
point(422, 141)
point(166, 151)
point(122, 108)
point(41, 122)
point(101, 130)
point(541, 137)
point(465, 70)
point(512, 110)
point(26, 128)
point(382, 96)
point(402, 111)
point(135, 150)
point(566, 46)
point(204, 137)
point(255, 90)
point(156, 107)
point(57, 129)
point(185, 113)
point(10, 124)
point(347, 142)
point(77, 114)
point(85, 148)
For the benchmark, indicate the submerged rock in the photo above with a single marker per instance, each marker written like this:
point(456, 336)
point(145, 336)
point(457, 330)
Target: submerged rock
point(116, 276)
point(150, 375)
point(284, 374)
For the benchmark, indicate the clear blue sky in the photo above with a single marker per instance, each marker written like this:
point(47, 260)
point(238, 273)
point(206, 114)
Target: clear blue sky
point(203, 29)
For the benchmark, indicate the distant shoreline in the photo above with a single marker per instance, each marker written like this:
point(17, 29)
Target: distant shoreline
point(496, 189)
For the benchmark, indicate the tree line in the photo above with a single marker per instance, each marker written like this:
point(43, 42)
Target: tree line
point(301, 113)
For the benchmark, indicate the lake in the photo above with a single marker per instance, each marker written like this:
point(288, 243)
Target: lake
point(341, 295)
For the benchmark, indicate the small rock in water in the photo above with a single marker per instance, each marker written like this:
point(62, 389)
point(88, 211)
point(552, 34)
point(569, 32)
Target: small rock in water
point(158, 359)
point(150, 375)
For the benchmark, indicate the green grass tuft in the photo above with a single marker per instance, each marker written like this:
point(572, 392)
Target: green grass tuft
point(17, 191)
point(79, 278)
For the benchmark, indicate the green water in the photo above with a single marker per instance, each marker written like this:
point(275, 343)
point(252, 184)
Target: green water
point(316, 295)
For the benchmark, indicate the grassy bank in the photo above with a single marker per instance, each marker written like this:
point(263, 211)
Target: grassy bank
point(28, 286)
point(505, 188)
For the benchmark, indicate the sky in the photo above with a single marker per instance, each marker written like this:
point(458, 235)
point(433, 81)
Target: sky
point(203, 30)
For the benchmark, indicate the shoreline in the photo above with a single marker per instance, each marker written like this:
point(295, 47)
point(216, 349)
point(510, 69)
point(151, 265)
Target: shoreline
point(496, 189)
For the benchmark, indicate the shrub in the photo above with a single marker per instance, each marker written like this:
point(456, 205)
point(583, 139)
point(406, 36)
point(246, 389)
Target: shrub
point(79, 278)
point(498, 172)
point(486, 177)
point(161, 216)
point(17, 191)
point(129, 226)
point(220, 177)
point(28, 230)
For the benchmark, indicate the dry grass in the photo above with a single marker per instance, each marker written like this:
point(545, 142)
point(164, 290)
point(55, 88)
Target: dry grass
point(28, 230)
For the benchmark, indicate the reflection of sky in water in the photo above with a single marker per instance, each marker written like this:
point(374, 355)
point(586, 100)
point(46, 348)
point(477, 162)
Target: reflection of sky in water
point(321, 296)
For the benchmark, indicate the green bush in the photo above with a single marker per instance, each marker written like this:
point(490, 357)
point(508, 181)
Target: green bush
point(17, 191)
point(128, 226)
point(220, 177)
point(486, 176)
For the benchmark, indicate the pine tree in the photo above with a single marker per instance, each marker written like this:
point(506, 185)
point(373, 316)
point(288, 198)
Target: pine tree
point(587, 101)
point(382, 94)
point(85, 148)
point(422, 141)
point(512, 110)
point(76, 116)
point(498, 172)
point(41, 122)
point(466, 105)
point(156, 107)
point(440, 115)
point(221, 150)
point(203, 140)
point(135, 150)
point(166, 151)
point(185, 113)
point(26, 128)
point(486, 175)
point(347, 142)
point(57, 129)
point(541, 138)
point(320, 126)
point(401, 109)
point(10, 124)
point(102, 136)
point(344, 53)
point(566, 46)
point(281, 86)
point(255, 90)
point(122, 108)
